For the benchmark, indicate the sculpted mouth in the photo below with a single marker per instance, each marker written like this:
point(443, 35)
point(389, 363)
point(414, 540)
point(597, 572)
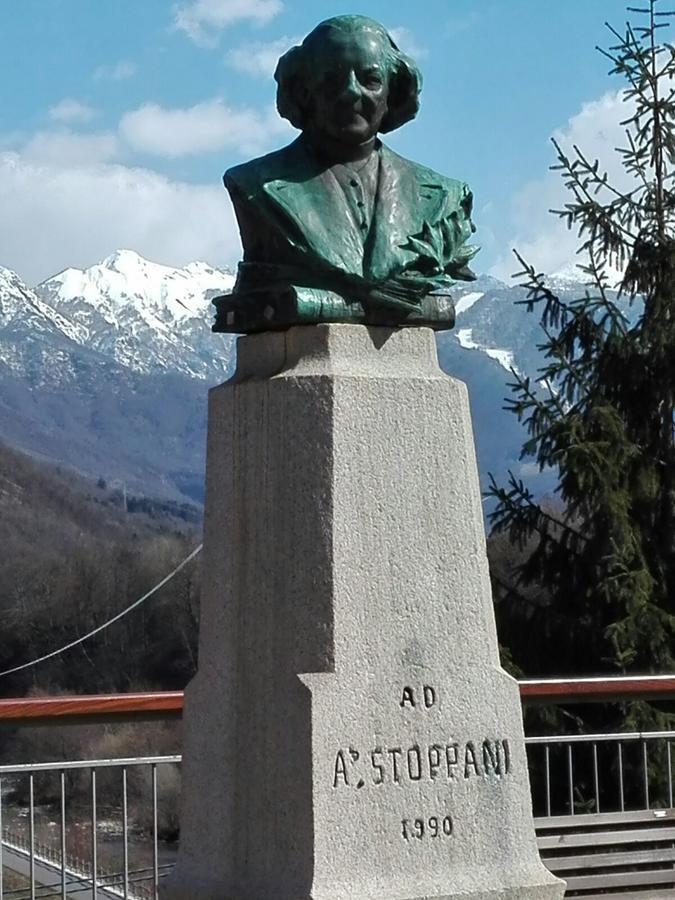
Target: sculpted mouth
point(352, 117)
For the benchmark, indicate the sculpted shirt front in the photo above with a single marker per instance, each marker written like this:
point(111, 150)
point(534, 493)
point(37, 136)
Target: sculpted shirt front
point(358, 182)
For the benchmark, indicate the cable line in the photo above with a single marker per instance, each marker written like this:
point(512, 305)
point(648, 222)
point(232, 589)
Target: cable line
point(100, 628)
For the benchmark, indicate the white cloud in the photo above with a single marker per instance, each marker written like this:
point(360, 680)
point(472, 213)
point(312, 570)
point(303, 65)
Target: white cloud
point(204, 128)
point(69, 148)
point(70, 111)
point(259, 58)
point(201, 20)
point(69, 199)
point(119, 71)
point(56, 216)
point(406, 41)
point(541, 237)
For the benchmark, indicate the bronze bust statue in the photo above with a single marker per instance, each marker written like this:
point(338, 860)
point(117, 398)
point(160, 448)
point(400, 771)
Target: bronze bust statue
point(337, 227)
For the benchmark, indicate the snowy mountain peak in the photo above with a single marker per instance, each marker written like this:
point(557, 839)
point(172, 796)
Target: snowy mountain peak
point(21, 308)
point(12, 295)
point(10, 281)
point(144, 315)
point(126, 280)
point(572, 276)
point(129, 262)
point(568, 273)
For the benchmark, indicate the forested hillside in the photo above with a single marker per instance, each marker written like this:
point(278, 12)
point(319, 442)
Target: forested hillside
point(75, 553)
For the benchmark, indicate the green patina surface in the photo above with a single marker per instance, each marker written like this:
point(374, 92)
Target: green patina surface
point(336, 226)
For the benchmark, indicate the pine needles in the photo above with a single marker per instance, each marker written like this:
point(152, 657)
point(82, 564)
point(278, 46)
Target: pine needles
point(601, 409)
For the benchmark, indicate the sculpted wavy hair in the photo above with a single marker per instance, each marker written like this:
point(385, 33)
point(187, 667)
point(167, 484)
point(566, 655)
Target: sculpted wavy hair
point(293, 75)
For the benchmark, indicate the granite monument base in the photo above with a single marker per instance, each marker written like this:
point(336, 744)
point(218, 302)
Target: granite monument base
point(350, 734)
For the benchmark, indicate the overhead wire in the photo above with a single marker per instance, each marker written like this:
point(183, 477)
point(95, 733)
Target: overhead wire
point(116, 618)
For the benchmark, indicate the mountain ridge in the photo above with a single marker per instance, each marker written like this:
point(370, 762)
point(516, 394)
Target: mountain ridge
point(107, 369)
point(144, 315)
point(123, 400)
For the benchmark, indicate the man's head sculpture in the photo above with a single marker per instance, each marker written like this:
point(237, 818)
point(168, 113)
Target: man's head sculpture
point(336, 227)
point(314, 91)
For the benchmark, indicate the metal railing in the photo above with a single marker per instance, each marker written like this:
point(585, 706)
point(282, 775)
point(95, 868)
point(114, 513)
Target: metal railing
point(601, 773)
point(49, 869)
point(570, 775)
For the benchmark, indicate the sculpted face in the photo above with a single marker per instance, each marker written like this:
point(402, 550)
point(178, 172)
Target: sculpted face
point(349, 87)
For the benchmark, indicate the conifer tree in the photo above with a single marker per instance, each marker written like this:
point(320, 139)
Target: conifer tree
point(606, 562)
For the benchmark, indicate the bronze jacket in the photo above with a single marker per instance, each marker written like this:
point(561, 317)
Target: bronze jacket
point(295, 225)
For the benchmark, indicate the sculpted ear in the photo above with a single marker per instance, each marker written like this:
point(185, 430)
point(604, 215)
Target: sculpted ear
point(290, 76)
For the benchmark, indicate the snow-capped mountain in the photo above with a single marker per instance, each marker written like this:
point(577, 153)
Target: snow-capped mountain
point(490, 322)
point(106, 369)
point(147, 317)
point(19, 306)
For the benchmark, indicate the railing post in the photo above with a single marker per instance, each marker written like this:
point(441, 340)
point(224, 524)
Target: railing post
point(62, 776)
point(547, 763)
point(94, 837)
point(125, 834)
point(155, 836)
point(31, 833)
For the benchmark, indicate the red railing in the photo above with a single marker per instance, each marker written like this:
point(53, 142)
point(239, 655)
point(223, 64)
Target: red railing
point(169, 705)
point(90, 709)
point(597, 690)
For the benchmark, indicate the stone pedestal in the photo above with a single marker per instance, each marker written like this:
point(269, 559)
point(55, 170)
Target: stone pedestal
point(350, 734)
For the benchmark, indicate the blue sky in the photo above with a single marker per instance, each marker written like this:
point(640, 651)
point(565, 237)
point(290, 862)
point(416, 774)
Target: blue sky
point(118, 118)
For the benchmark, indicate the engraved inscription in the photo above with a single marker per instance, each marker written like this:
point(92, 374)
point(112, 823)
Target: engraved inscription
point(340, 769)
point(433, 827)
point(341, 763)
point(445, 762)
point(424, 697)
point(470, 764)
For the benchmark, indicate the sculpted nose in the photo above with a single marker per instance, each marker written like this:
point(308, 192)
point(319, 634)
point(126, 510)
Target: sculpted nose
point(352, 88)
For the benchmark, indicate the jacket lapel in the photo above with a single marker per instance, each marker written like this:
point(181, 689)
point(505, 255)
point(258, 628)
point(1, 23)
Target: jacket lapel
point(313, 200)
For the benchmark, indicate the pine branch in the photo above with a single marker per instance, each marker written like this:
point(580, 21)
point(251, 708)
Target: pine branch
point(529, 407)
point(599, 278)
point(565, 371)
point(510, 590)
point(520, 507)
point(537, 290)
point(607, 420)
point(588, 210)
point(602, 181)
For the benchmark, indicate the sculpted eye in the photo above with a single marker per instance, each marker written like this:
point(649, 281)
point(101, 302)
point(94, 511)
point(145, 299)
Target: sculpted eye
point(372, 78)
